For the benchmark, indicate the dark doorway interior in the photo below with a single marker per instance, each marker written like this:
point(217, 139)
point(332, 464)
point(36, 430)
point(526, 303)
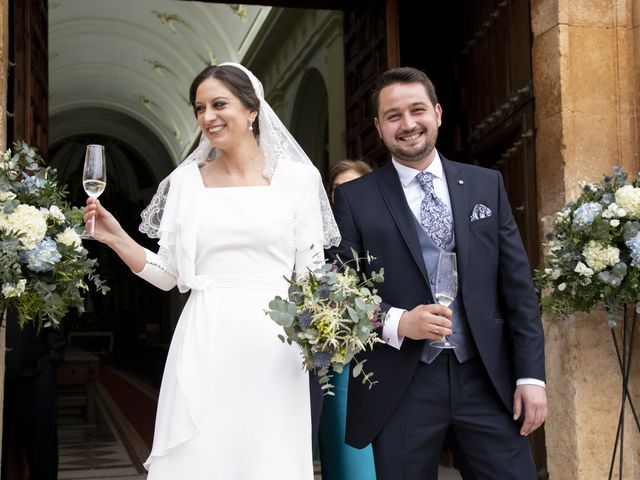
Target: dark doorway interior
point(478, 55)
point(134, 312)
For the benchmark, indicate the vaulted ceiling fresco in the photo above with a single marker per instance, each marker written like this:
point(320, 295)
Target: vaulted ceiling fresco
point(136, 59)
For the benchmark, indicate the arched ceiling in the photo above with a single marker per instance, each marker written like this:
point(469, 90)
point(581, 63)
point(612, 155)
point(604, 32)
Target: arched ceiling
point(138, 58)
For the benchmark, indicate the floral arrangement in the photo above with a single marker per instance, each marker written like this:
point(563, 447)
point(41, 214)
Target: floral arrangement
point(593, 253)
point(332, 313)
point(43, 266)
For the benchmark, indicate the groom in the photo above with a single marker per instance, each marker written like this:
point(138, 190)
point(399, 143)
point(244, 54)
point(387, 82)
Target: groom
point(488, 393)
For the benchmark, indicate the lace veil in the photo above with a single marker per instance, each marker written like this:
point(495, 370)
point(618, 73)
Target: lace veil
point(276, 143)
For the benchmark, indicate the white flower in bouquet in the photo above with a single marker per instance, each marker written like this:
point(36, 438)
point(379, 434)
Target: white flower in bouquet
point(56, 214)
point(28, 221)
point(70, 238)
point(14, 290)
point(44, 270)
point(593, 252)
point(628, 197)
point(598, 256)
point(6, 196)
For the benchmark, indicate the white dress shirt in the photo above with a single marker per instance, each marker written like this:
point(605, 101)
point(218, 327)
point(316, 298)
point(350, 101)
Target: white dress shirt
point(414, 195)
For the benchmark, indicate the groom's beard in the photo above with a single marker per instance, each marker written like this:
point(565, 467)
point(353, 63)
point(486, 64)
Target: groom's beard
point(416, 153)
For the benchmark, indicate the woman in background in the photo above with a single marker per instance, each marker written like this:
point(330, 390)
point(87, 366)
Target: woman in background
point(339, 460)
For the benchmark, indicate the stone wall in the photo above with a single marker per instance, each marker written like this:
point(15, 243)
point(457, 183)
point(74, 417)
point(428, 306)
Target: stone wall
point(585, 63)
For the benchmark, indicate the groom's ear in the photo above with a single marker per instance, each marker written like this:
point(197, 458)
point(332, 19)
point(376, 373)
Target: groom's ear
point(377, 124)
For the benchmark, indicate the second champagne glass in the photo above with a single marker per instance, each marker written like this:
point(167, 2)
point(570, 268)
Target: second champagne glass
point(94, 175)
point(446, 288)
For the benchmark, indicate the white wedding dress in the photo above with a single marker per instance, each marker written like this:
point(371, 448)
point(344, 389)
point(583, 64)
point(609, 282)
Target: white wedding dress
point(234, 401)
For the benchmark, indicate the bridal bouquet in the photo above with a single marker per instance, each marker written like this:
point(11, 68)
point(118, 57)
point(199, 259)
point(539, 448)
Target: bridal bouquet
point(43, 267)
point(332, 313)
point(593, 253)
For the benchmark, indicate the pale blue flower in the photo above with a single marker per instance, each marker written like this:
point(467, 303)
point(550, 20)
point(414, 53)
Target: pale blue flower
point(586, 213)
point(32, 184)
point(43, 257)
point(634, 245)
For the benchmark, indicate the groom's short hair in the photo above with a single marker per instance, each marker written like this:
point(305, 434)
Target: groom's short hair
point(401, 75)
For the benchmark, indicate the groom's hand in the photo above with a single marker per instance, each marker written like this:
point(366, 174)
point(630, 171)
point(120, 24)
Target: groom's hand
point(425, 322)
point(533, 399)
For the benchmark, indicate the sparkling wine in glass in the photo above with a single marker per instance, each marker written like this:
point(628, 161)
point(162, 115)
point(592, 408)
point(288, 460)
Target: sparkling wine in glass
point(94, 175)
point(446, 289)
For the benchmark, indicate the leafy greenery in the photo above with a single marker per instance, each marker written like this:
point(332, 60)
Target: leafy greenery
point(593, 253)
point(332, 313)
point(44, 269)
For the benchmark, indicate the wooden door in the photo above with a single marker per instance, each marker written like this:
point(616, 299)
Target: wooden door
point(370, 47)
point(28, 101)
point(478, 55)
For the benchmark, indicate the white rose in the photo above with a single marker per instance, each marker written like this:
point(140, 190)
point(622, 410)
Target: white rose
point(615, 222)
point(628, 198)
point(6, 196)
point(28, 220)
point(56, 213)
point(9, 290)
point(582, 269)
point(71, 238)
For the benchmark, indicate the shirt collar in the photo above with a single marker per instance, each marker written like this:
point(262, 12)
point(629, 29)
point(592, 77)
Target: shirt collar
point(408, 174)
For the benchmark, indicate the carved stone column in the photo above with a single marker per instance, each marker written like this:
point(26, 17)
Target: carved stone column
point(585, 68)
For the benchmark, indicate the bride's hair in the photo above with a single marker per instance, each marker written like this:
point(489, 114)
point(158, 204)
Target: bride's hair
point(237, 81)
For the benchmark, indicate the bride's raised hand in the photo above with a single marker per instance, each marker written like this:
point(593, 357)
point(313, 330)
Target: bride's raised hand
point(107, 228)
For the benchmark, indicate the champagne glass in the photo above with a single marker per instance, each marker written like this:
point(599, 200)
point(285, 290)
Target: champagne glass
point(446, 289)
point(94, 176)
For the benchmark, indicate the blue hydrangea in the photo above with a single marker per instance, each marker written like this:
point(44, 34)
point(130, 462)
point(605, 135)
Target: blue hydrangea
point(634, 245)
point(305, 319)
point(607, 199)
point(586, 213)
point(43, 257)
point(32, 184)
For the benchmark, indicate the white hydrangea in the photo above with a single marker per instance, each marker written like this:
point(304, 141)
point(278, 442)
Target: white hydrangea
point(582, 269)
point(10, 290)
point(628, 197)
point(28, 220)
point(6, 196)
point(71, 238)
point(598, 257)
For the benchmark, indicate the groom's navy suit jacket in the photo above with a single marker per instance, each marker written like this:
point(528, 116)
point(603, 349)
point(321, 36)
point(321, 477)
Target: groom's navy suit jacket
point(495, 285)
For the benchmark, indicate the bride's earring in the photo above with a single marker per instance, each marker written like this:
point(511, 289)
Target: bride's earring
point(250, 124)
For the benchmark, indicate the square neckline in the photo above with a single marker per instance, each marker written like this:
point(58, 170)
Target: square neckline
point(233, 187)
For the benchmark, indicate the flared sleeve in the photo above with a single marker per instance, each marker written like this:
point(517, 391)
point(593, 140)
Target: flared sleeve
point(308, 223)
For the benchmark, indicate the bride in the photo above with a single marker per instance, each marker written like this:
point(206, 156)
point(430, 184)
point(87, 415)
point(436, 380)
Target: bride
point(234, 400)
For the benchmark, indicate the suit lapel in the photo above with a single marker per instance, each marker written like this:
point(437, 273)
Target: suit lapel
point(393, 195)
point(459, 209)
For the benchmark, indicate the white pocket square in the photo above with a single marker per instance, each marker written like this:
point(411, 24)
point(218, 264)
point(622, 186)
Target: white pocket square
point(479, 212)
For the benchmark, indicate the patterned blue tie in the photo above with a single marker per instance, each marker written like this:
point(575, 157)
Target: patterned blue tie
point(434, 214)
